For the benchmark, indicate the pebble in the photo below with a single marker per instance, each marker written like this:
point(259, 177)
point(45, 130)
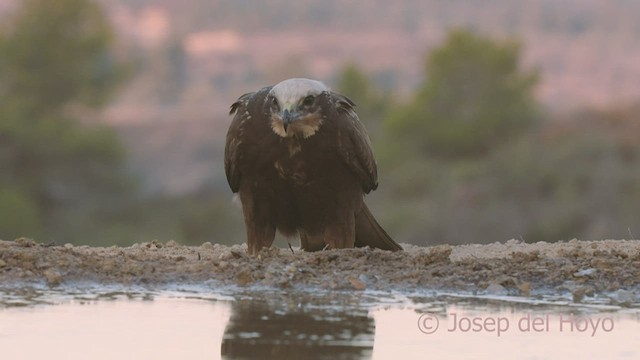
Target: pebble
point(357, 283)
point(578, 295)
point(580, 292)
point(244, 278)
point(172, 243)
point(54, 278)
point(25, 242)
point(496, 289)
point(525, 289)
point(585, 272)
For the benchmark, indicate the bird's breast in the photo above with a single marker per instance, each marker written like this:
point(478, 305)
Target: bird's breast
point(294, 163)
point(292, 170)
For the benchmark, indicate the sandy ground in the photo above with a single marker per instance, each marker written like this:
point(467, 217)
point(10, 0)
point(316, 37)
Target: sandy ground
point(580, 268)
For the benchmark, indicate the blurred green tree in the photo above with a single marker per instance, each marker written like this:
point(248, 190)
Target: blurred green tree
point(474, 98)
point(57, 53)
point(372, 105)
point(56, 63)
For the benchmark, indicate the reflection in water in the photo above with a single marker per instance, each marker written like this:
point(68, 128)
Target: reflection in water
point(306, 326)
point(257, 330)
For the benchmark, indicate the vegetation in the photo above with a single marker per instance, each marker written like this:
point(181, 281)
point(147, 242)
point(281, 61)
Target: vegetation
point(471, 159)
point(473, 99)
point(372, 104)
point(55, 65)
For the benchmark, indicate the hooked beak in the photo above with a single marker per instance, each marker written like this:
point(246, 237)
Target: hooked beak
point(287, 117)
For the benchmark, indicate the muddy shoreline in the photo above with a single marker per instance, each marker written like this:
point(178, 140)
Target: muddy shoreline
point(582, 269)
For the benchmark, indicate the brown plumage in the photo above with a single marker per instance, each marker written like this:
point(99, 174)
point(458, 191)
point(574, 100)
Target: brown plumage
point(301, 162)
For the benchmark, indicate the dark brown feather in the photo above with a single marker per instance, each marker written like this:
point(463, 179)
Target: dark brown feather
point(311, 186)
point(243, 108)
point(370, 233)
point(354, 144)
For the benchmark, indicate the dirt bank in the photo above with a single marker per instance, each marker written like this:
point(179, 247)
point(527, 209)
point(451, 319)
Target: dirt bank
point(581, 268)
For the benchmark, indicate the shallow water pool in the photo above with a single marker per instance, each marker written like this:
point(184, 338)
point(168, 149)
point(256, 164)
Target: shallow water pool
point(176, 325)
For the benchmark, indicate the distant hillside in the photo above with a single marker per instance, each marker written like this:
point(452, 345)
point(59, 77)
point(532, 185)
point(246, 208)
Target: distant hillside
point(588, 50)
point(557, 16)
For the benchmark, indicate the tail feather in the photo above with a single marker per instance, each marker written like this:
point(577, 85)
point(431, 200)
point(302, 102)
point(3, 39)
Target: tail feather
point(370, 233)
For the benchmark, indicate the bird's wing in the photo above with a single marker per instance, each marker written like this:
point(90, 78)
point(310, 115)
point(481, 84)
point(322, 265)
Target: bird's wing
point(235, 138)
point(354, 144)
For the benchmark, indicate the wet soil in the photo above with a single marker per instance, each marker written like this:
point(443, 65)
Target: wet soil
point(581, 269)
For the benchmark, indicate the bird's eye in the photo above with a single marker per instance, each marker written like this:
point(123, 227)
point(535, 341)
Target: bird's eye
point(308, 101)
point(274, 102)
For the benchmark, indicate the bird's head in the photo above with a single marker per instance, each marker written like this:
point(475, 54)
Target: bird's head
point(294, 108)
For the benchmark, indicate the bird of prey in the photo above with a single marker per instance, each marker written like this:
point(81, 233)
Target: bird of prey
point(301, 162)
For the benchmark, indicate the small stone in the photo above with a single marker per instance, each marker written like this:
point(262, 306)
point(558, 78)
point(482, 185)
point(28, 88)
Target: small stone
point(68, 246)
point(613, 286)
point(25, 242)
point(172, 243)
point(357, 283)
point(496, 289)
point(332, 284)
point(525, 289)
point(244, 278)
point(2, 263)
point(54, 278)
point(578, 294)
point(514, 242)
point(207, 245)
point(284, 283)
point(585, 272)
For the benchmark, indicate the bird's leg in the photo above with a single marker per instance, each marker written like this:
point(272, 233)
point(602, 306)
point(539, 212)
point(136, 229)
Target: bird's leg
point(260, 231)
point(259, 237)
point(341, 235)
